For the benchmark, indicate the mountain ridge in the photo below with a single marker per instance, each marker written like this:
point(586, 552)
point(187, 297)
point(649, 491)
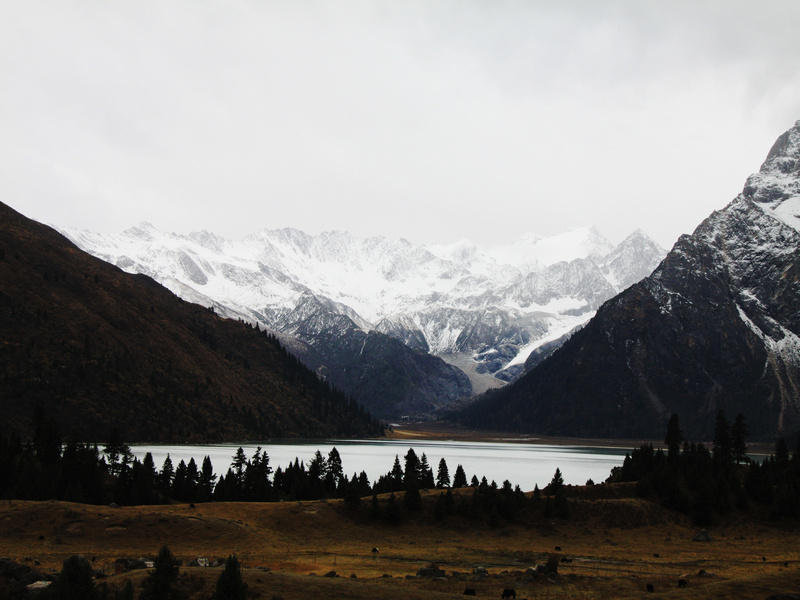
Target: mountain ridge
point(444, 300)
point(716, 326)
point(98, 348)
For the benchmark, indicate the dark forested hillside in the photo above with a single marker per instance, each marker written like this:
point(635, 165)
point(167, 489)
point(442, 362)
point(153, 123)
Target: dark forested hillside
point(97, 348)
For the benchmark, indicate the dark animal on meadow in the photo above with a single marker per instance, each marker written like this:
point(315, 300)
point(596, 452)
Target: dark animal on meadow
point(192, 505)
point(763, 559)
point(564, 559)
point(509, 593)
point(682, 583)
point(786, 563)
point(558, 548)
point(656, 556)
point(469, 592)
point(374, 553)
point(650, 587)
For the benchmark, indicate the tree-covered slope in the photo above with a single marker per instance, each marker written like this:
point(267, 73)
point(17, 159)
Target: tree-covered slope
point(99, 348)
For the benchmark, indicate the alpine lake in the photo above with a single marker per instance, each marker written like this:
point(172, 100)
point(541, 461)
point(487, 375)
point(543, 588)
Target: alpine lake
point(524, 462)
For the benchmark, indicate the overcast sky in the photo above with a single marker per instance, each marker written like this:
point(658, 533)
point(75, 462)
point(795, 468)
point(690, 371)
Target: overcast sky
point(430, 120)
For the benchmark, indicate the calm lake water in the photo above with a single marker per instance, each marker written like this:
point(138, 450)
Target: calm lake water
point(521, 463)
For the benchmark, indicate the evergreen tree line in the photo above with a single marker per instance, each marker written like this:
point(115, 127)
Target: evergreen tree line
point(76, 582)
point(703, 482)
point(497, 505)
point(45, 469)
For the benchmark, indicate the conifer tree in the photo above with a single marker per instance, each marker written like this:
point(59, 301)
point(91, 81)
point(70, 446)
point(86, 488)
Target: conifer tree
point(781, 454)
point(739, 435)
point(318, 467)
point(723, 448)
point(537, 493)
point(207, 479)
point(673, 438)
point(179, 481)
point(159, 583)
point(443, 475)
point(166, 476)
point(556, 484)
point(238, 463)
point(117, 452)
point(230, 585)
point(411, 471)
point(460, 478)
point(189, 491)
point(335, 471)
point(425, 473)
point(397, 474)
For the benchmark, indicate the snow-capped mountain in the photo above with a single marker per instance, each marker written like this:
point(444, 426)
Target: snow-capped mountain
point(494, 305)
point(716, 326)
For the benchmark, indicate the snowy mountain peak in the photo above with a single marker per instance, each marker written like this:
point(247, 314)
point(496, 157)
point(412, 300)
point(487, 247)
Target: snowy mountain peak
point(457, 298)
point(776, 187)
point(143, 231)
point(208, 240)
point(581, 242)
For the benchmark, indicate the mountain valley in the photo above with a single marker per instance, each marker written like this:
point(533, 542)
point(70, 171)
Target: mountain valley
point(406, 329)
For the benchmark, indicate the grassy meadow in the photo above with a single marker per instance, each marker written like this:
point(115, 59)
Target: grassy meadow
point(617, 544)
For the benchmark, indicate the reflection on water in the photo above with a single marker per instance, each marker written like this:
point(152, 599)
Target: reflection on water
point(522, 464)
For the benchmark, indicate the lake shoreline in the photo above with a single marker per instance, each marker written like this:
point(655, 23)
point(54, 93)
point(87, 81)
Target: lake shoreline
point(435, 430)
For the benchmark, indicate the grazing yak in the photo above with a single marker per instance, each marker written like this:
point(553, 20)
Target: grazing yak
point(508, 593)
point(650, 587)
point(682, 583)
point(469, 592)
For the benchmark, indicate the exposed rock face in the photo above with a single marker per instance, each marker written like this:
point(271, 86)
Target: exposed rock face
point(388, 377)
point(716, 326)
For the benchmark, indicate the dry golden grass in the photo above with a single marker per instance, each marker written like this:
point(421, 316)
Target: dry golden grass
point(612, 539)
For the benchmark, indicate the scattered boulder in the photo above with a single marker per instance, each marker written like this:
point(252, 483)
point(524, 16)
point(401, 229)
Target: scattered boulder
point(701, 536)
point(17, 577)
point(35, 588)
point(480, 572)
point(430, 572)
point(330, 574)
